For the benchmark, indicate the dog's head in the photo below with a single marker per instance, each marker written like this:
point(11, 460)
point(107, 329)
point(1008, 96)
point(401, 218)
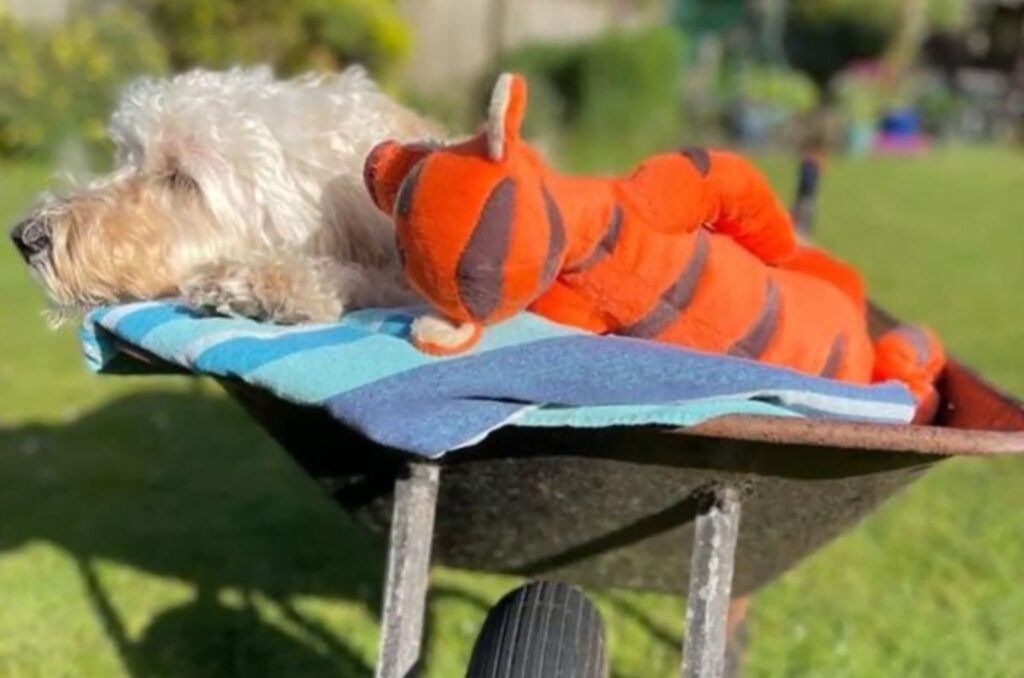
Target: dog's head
point(111, 240)
point(210, 165)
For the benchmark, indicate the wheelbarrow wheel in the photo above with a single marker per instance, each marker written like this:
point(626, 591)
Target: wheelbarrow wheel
point(541, 630)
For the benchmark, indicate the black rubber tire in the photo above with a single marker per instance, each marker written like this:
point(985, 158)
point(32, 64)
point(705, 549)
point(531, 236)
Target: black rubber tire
point(541, 630)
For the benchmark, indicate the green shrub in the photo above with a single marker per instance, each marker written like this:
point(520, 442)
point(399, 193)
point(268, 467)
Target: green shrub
point(786, 90)
point(631, 85)
point(60, 83)
point(767, 105)
point(293, 35)
point(862, 100)
point(612, 99)
point(940, 108)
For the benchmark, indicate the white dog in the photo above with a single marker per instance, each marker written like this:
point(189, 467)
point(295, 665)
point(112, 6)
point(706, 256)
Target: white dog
point(238, 191)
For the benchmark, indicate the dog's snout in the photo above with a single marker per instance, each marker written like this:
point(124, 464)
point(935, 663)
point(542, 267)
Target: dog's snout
point(31, 236)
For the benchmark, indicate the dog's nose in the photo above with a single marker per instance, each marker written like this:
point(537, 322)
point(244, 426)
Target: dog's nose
point(31, 237)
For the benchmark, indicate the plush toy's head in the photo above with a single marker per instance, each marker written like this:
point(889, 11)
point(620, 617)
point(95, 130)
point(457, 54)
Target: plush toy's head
point(480, 235)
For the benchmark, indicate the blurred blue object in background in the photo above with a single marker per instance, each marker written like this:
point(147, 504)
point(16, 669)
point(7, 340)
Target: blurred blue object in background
point(900, 122)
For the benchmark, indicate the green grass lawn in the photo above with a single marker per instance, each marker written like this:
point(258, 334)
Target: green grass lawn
point(147, 527)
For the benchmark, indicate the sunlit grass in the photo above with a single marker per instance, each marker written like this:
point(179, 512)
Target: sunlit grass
point(147, 527)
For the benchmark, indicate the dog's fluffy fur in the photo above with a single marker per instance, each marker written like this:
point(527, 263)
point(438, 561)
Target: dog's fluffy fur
point(241, 192)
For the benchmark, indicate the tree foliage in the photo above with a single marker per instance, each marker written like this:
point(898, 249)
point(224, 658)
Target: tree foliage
point(824, 36)
point(60, 83)
point(292, 35)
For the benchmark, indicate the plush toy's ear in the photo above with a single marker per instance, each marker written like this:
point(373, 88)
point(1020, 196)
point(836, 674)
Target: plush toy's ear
point(505, 114)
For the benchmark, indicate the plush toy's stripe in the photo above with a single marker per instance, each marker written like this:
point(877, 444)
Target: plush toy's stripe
point(918, 340)
point(480, 281)
point(700, 158)
point(408, 189)
point(835, 357)
point(760, 334)
point(676, 298)
point(556, 241)
point(912, 355)
point(605, 246)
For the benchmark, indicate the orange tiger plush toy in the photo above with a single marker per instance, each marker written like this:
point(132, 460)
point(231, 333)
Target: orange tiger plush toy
point(692, 248)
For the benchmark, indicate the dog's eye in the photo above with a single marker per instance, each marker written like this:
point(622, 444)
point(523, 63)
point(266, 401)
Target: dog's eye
point(180, 181)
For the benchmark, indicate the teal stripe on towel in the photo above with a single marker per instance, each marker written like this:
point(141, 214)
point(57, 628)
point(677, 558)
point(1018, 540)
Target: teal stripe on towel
point(681, 414)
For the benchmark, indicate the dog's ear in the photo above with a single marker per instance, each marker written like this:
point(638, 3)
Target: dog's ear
point(505, 114)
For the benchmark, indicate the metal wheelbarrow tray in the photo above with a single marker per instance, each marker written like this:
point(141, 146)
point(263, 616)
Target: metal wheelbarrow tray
point(631, 507)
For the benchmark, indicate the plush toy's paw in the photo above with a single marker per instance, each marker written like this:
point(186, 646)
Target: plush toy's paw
point(914, 356)
point(438, 336)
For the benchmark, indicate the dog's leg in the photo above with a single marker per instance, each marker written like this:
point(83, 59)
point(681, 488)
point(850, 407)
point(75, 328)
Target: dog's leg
point(277, 288)
point(292, 288)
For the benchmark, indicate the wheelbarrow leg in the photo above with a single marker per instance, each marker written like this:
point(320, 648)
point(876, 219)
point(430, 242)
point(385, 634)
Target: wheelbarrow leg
point(707, 607)
point(405, 591)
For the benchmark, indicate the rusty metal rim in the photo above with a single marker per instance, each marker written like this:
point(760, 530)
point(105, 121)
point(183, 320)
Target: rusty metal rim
point(860, 436)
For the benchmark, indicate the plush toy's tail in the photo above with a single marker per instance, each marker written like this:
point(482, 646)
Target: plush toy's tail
point(914, 356)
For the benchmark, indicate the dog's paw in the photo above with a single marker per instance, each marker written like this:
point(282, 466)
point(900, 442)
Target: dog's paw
point(213, 293)
point(261, 292)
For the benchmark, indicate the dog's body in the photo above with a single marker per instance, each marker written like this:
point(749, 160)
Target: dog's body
point(240, 192)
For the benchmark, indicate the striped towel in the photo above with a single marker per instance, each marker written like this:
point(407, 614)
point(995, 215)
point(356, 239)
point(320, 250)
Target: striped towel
point(525, 372)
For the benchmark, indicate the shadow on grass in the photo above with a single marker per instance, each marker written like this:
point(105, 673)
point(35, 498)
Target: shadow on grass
point(180, 485)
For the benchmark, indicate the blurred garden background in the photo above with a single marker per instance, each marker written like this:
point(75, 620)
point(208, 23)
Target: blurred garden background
point(148, 528)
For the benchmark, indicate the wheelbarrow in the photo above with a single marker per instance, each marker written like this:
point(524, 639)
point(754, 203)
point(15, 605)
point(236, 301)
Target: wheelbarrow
point(632, 507)
point(643, 508)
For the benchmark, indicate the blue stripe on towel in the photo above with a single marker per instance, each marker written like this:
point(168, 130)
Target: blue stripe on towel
point(135, 326)
point(454, 400)
point(246, 351)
